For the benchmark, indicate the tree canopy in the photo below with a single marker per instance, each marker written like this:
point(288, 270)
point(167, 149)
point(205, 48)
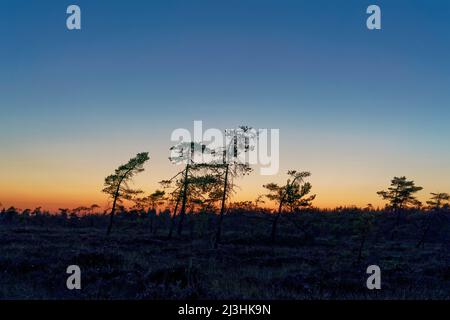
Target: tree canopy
point(401, 193)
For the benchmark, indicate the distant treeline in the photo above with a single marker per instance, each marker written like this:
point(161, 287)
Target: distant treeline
point(208, 187)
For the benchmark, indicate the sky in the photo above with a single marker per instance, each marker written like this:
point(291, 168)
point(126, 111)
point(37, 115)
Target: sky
point(355, 107)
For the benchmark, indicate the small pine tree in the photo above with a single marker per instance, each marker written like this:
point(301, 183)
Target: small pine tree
point(292, 195)
point(401, 194)
point(116, 185)
point(438, 200)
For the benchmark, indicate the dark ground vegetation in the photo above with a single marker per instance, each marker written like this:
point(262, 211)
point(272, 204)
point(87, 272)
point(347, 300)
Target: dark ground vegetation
point(317, 255)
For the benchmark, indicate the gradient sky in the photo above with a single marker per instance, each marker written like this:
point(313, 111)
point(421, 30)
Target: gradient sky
point(355, 107)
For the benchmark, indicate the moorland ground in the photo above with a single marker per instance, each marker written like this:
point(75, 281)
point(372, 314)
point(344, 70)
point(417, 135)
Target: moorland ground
point(317, 255)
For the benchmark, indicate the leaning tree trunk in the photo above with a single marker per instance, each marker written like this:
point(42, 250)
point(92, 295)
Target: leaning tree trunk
point(183, 204)
point(280, 208)
point(361, 247)
point(398, 217)
point(111, 215)
point(427, 228)
point(222, 208)
point(152, 214)
point(116, 196)
point(275, 223)
point(172, 221)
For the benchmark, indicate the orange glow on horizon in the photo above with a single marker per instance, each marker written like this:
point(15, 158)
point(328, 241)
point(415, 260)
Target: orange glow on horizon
point(53, 201)
point(68, 177)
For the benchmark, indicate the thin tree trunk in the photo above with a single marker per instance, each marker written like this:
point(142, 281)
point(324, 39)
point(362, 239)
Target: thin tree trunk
point(222, 208)
point(275, 222)
point(116, 196)
point(421, 242)
point(191, 224)
point(361, 246)
point(111, 215)
point(151, 220)
point(398, 212)
point(183, 204)
point(172, 221)
point(280, 208)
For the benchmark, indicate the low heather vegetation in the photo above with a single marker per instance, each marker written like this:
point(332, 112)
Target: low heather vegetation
point(316, 255)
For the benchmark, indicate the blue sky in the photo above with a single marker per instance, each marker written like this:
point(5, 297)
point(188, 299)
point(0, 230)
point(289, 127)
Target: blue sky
point(139, 69)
